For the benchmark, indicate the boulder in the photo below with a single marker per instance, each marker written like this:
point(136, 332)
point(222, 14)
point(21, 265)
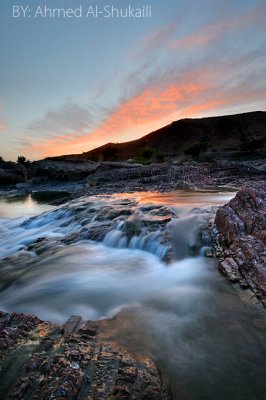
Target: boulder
point(242, 235)
point(62, 170)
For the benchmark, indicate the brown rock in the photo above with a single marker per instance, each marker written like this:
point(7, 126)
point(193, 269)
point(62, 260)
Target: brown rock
point(73, 366)
point(242, 234)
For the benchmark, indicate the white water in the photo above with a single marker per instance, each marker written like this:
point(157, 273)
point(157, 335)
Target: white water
point(209, 343)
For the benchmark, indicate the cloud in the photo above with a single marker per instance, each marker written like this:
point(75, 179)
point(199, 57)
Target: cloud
point(212, 32)
point(146, 108)
point(205, 35)
point(158, 38)
point(161, 89)
point(59, 126)
point(195, 92)
point(154, 107)
point(2, 125)
point(70, 117)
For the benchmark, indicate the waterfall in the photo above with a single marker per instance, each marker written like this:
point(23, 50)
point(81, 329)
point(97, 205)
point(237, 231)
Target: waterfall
point(185, 235)
point(146, 241)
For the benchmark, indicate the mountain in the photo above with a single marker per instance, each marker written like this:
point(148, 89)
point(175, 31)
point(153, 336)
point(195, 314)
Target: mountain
point(223, 136)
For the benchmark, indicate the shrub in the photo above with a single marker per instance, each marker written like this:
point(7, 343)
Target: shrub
point(196, 149)
point(23, 161)
point(146, 153)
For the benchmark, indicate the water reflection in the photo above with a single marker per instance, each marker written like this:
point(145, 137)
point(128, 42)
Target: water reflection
point(27, 205)
point(181, 198)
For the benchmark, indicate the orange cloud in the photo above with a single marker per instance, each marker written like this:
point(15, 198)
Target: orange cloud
point(143, 112)
point(238, 97)
point(147, 111)
point(152, 104)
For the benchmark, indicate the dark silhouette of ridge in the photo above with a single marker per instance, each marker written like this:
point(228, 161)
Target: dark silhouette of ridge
point(229, 134)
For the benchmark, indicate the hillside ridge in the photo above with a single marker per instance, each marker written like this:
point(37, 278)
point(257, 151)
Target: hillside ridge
point(223, 134)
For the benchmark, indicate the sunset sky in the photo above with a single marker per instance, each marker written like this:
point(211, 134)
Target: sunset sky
point(69, 85)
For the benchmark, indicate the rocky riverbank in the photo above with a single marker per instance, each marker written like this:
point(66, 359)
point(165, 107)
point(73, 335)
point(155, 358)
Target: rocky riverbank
point(241, 228)
point(43, 361)
point(89, 178)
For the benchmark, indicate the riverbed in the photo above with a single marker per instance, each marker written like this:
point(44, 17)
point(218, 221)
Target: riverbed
point(138, 259)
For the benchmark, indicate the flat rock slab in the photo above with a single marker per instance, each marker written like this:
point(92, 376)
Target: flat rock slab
point(41, 361)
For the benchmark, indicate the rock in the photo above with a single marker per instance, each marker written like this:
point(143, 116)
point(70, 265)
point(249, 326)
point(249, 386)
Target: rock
point(11, 173)
point(242, 235)
point(73, 324)
point(209, 252)
point(229, 268)
point(42, 361)
point(81, 177)
point(62, 170)
point(108, 178)
point(110, 213)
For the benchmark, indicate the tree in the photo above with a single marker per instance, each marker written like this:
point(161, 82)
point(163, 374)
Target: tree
point(23, 161)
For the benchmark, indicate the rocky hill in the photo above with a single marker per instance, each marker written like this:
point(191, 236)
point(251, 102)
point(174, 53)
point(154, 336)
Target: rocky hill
point(224, 136)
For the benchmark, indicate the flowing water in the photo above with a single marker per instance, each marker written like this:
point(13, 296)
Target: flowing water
point(136, 258)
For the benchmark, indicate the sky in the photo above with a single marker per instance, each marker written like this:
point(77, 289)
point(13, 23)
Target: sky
point(68, 85)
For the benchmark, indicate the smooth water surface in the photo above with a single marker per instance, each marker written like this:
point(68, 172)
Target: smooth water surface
point(22, 206)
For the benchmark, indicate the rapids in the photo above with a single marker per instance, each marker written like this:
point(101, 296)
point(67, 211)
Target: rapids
point(137, 258)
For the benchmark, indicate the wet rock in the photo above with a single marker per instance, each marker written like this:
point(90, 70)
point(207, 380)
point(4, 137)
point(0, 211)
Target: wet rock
point(73, 324)
point(97, 231)
point(74, 365)
point(208, 251)
point(110, 213)
point(89, 328)
point(242, 235)
point(229, 268)
point(133, 224)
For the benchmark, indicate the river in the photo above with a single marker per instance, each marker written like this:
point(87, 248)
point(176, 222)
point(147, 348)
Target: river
point(137, 258)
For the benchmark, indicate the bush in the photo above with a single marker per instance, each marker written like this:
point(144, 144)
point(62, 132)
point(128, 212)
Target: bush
point(146, 153)
point(196, 149)
point(23, 161)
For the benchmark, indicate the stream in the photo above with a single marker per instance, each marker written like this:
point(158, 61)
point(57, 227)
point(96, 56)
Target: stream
point(138, 258)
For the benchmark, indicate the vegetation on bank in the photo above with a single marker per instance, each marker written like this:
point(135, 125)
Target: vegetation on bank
point(197, 149)
point(23, 161)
